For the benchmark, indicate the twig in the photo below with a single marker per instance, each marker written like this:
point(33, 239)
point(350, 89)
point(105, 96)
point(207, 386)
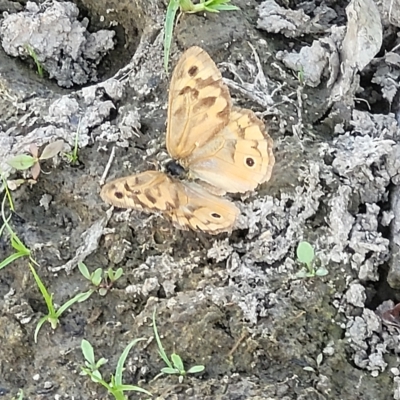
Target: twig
point(108, 166)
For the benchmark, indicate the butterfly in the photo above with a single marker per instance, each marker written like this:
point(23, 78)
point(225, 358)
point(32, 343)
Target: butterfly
point(224, 149)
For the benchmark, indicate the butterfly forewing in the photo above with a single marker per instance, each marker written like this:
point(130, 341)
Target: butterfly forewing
point(148, 191)
point(199, 103)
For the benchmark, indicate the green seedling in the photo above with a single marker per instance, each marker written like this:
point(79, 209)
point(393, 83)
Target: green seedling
point(35, 58)
point(175, 365)
point(115, 386)
point(306, 256)
point(187, 6)
point(54, 314)
point(23, 162)
point(20, 395)
point(300, 75)
point(16, 243)
point(318, 363)
point(102, 280)
point(73, 156)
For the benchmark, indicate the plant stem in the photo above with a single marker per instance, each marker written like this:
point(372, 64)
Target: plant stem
point(188, 6)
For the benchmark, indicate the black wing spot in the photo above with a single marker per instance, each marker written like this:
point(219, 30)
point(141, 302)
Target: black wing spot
point(250, 162)
point(193, 71)
point(118, 195)
point(127, 187)
point(215, 215)
point(151, 198)
point(192, 92)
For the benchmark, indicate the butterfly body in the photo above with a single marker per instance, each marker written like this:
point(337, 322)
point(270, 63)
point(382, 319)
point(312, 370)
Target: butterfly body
point(175, 169)
point(225, 148)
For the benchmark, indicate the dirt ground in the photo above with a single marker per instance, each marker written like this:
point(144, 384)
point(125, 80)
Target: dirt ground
point(325, 83)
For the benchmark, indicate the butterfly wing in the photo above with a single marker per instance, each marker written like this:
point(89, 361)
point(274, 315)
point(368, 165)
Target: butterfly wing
point(238, 158)
point(148, 191)
point(188, 205)
point(203, 211)
point(199, 103)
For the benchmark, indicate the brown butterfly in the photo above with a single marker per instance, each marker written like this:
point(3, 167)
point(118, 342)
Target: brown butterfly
point(226, 148)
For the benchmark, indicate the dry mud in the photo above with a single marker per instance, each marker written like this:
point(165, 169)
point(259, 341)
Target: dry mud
point(325, 82)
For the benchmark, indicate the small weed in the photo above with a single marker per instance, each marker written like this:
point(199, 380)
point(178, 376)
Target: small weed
point(115, 386)
point(187, 6)
point(16, 243)
point(300, 75)
point(305, 255)
point(53, 315)
point(213, 6)
point(22, 251)
point(175, 365)
point(73, 156)
point(20, 395)
point(23, 162)
point(318, 363)
point(35, 58)
point(103, 280)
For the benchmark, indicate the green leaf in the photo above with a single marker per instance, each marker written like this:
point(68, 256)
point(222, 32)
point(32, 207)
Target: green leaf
point(95, 376)
point(168, 370)
point(46, 295)
point(84, 270)
point(225, 7)
point(177, 362)
point(303, 273)
point(133, 388)
point(97, 277)
point(172, 8)
point(319, 359)
point(122, 359)
point(101, 362)
point(195, 369)
point(84, 296)
point(213, 6)
point(22, 162)
point(38, 326)
point(161, 350)
point(87, 351)
point(321, 271)
point(52, 149)
point(305, 253)
point(17, 245)
point(115, 274)
point(10, 259)
point(76, 299)
point(7, 196)
point(35, 58)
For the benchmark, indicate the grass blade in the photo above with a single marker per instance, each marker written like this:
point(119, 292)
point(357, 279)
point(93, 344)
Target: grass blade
point(161, 350)
point(10, 259)
point(173, 7)
point(122, 359)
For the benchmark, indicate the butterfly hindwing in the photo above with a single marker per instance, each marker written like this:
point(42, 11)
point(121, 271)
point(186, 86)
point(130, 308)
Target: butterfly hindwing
point(188, 205)
point(238, 158)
